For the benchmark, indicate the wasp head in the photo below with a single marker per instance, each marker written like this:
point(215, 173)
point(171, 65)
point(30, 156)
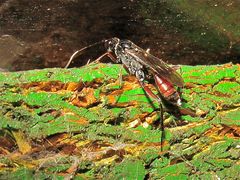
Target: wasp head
point(112, 44)
point(115, 44)
point(125, 44)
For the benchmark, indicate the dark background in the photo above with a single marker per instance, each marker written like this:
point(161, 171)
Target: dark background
point(42, 33)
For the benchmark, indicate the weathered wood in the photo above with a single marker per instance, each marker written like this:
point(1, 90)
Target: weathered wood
point(84, 122)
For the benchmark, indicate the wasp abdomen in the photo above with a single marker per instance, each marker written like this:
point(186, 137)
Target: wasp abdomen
point(167, 90)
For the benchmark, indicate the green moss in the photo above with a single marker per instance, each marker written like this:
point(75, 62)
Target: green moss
point(206, 75)
point(220, 100)
point(159, 164)
point(174, 171)
point(228, 118)
point(190, 118)
point(204, 89)
point(22, 172)
point(105, 132)
point(228, 88)
point(109, 115)
point(56, 125)
point(132, 95)
point(205, 175)
point(104, 127)
point(200, 129)
point(85, 74)
point(144, 135)
point(199, 101)
point(216, 158)
point(149, 155)
point(129, 169)
point(229, 173)
point(97, 93)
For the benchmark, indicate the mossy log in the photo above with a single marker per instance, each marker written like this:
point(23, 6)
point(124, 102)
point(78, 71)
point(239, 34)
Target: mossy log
point(87, 123)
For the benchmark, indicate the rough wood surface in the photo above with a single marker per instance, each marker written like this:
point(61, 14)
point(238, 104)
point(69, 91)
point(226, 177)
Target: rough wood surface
point(85, 123)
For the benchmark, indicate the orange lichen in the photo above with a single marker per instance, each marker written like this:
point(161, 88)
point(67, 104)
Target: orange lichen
point(82, 121)
point(84, 98)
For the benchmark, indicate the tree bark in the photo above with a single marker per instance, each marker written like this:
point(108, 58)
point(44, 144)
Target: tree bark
point(97, 122)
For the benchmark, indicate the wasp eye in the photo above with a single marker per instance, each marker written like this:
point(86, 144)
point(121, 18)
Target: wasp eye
point(126, 45)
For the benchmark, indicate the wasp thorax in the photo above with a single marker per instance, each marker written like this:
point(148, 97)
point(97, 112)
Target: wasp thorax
point(125, 44)
point(140, 75)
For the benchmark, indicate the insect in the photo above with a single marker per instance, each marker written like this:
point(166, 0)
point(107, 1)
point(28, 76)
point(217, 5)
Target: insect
point(144, 66)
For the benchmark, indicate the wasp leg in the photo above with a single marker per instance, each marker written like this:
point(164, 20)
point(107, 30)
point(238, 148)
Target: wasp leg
point(150, 93)
point(120, 78)
point(158, 99)
point(106, 54)
point(114, 60)
point(109, 54)
point(161, 126)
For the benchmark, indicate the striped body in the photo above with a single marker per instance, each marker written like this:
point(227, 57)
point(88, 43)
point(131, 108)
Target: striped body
point(167, 90)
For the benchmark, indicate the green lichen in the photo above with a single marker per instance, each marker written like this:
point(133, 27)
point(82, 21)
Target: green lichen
point(129, 169)
point(227, 88)
point(195, 149)
point(206, 75)
point(228, 118)
point(180, 170)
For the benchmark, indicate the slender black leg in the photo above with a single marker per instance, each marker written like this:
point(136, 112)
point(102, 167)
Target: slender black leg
point(161, 124)
point(150, 94)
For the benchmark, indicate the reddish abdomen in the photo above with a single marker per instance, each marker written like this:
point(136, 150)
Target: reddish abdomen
point(165, 87)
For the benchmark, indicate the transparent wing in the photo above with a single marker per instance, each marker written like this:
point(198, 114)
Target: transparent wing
point(156, 65)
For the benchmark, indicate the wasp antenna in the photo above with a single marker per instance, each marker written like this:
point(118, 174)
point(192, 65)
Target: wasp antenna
point(71, 58)
point(80, 51)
